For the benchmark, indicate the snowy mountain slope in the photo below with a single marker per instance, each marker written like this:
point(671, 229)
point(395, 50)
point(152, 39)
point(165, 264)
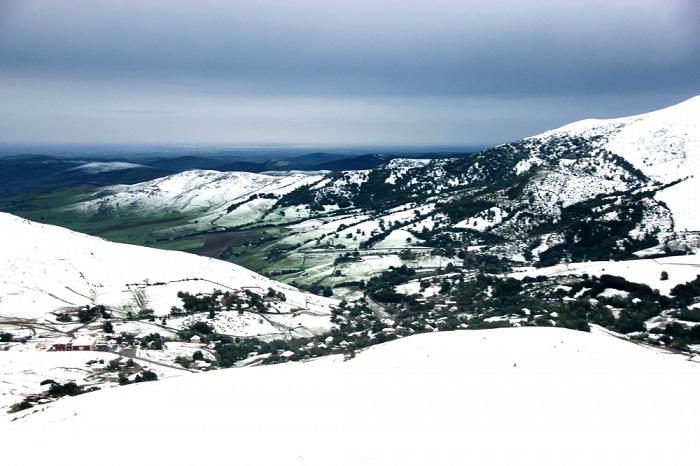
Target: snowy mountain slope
point(44, 268)
point(593, 189)
point(194, 189)
point(491, 397)
point(664, 145)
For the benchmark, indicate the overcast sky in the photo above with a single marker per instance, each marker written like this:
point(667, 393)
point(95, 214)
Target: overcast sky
point(331, 72)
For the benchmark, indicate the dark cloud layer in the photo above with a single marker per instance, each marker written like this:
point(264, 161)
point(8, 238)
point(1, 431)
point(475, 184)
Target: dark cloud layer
point(332, 72)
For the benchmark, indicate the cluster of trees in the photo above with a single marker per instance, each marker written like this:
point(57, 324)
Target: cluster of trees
point(90, 313)
point(195, 304)
point(319, 289)
point(381, 287)
point(86, 314)
point(252, 197)
point(347, 257)
point(219, 301)
point(187, 362)
point(153, 341)
point(201, 329)
point(58, 390)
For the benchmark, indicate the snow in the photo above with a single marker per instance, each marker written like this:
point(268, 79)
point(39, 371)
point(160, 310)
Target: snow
point(399, 167)
point(195, 189)
point(44, 268)
point(397, 239)
point(483, 220)
point(21, 372)
point(613, 293)
point(681, 269)
point(486, 397)
point(683, 199)
point(664, 145)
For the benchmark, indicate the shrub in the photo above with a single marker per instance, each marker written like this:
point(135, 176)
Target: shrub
point(146, 376)
point(22, 405)
point(58, 390)
point(184, 362)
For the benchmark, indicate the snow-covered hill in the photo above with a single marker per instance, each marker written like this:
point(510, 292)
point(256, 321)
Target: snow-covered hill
point(664, 145)
point(194, 190)
point(531, 396)
point(45, 268)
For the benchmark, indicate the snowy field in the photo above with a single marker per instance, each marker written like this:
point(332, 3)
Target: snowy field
point(21, 372)
point(536, 396)
point(680, 269)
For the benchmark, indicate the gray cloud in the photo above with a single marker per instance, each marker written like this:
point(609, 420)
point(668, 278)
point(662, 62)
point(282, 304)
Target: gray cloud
point(335, 72)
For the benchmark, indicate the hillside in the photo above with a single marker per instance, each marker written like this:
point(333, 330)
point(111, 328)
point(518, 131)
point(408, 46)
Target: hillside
point(492, 397)
point(664, 145)
point(198, 190)
point(45, 270)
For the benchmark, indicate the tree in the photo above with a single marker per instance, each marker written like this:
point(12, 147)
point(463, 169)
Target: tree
point(197, 356)
point(664, 275)
point(87, 313)
point(107, 327)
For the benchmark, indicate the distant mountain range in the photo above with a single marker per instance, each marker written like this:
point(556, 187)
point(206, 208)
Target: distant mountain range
point(26, 173)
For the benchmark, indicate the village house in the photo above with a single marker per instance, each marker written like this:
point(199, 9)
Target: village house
point(68, 344)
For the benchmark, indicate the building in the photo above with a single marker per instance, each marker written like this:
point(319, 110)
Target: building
point(79, 344)
point(84, 344)
point(62, 344)
point(195, 339)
